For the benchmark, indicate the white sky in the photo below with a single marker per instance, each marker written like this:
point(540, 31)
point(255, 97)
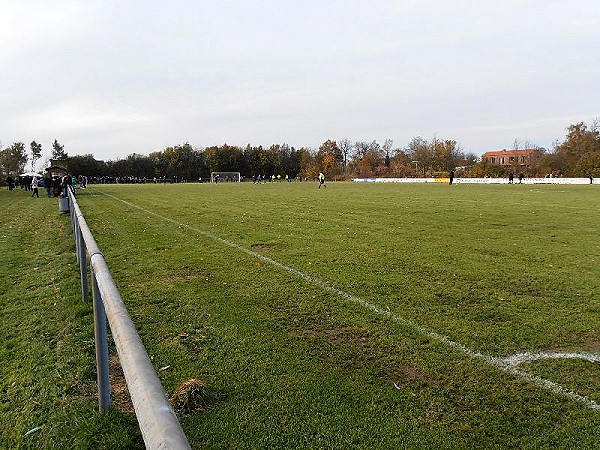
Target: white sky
point(111, 78)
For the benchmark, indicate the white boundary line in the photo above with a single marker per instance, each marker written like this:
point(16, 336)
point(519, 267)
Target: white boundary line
point(506, 364)
point(528, 357)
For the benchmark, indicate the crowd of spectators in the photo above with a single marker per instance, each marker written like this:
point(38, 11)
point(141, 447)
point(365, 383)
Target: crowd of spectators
point(55, 186)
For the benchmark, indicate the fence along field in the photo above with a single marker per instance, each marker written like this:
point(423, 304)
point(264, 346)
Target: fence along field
point(367, 315)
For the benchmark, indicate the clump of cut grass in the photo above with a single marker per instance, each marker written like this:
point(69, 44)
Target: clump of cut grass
point(191, 397)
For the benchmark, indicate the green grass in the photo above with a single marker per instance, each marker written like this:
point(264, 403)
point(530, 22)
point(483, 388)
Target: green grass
point(501, 269)
point(47, 362)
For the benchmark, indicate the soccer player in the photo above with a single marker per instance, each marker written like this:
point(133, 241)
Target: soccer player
point(322, 180)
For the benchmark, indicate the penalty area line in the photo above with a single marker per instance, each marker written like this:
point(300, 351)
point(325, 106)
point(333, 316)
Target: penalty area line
point(508, 365)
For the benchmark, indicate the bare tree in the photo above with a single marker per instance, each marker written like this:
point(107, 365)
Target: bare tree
point(387, 146)
point(523, 144)
point(360, 150)
point(346, 147)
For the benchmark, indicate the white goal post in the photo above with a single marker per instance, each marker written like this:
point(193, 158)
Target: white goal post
point(219, 177)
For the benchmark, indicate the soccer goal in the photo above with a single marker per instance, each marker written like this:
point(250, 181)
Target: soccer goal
point(220, 177)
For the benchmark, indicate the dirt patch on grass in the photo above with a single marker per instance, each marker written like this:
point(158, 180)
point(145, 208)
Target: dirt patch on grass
point(410, 373)
point(356, 350)
point(261, 246)
point(587, 342)
point(592, 343)
point(407, 377)
point(119, 394)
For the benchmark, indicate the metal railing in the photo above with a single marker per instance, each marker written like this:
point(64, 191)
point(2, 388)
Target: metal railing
point(158, 423)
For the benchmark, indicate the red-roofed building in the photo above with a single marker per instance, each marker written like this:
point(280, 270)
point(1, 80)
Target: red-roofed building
point(507, 158)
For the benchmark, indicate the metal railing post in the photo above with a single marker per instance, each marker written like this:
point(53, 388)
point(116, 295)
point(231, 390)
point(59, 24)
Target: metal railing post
point(71, 209)
point(81, 257)
point(156, 418)
point(77, 235)
point(101, 342)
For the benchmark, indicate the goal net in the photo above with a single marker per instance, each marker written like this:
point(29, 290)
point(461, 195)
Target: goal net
point(220, 177)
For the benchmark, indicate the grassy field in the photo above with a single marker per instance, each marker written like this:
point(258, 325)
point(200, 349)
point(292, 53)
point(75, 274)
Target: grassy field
point(356, 316)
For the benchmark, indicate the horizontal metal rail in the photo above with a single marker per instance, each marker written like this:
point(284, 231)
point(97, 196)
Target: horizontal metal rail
point(158, 423)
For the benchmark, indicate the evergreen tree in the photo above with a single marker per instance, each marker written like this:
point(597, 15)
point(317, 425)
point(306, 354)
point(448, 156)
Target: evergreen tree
point(58, 151)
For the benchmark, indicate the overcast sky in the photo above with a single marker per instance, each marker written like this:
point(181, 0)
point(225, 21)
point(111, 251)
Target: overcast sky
point(111, 78)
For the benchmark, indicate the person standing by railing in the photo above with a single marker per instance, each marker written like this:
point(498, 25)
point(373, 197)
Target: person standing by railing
point(48, 184)
point(67, 184)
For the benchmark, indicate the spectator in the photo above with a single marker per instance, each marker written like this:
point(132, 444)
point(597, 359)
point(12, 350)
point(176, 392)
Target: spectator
point(34, 187)
point(66, 183)
point(56, 186)
point(48, 184)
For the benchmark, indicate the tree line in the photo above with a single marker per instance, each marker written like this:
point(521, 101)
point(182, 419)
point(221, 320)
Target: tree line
point(577, 155)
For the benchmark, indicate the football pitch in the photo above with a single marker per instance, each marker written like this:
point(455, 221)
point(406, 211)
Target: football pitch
point(365, 315)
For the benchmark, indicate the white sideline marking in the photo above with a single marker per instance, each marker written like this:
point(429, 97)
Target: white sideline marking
point(507, 364)
point(526, 357)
